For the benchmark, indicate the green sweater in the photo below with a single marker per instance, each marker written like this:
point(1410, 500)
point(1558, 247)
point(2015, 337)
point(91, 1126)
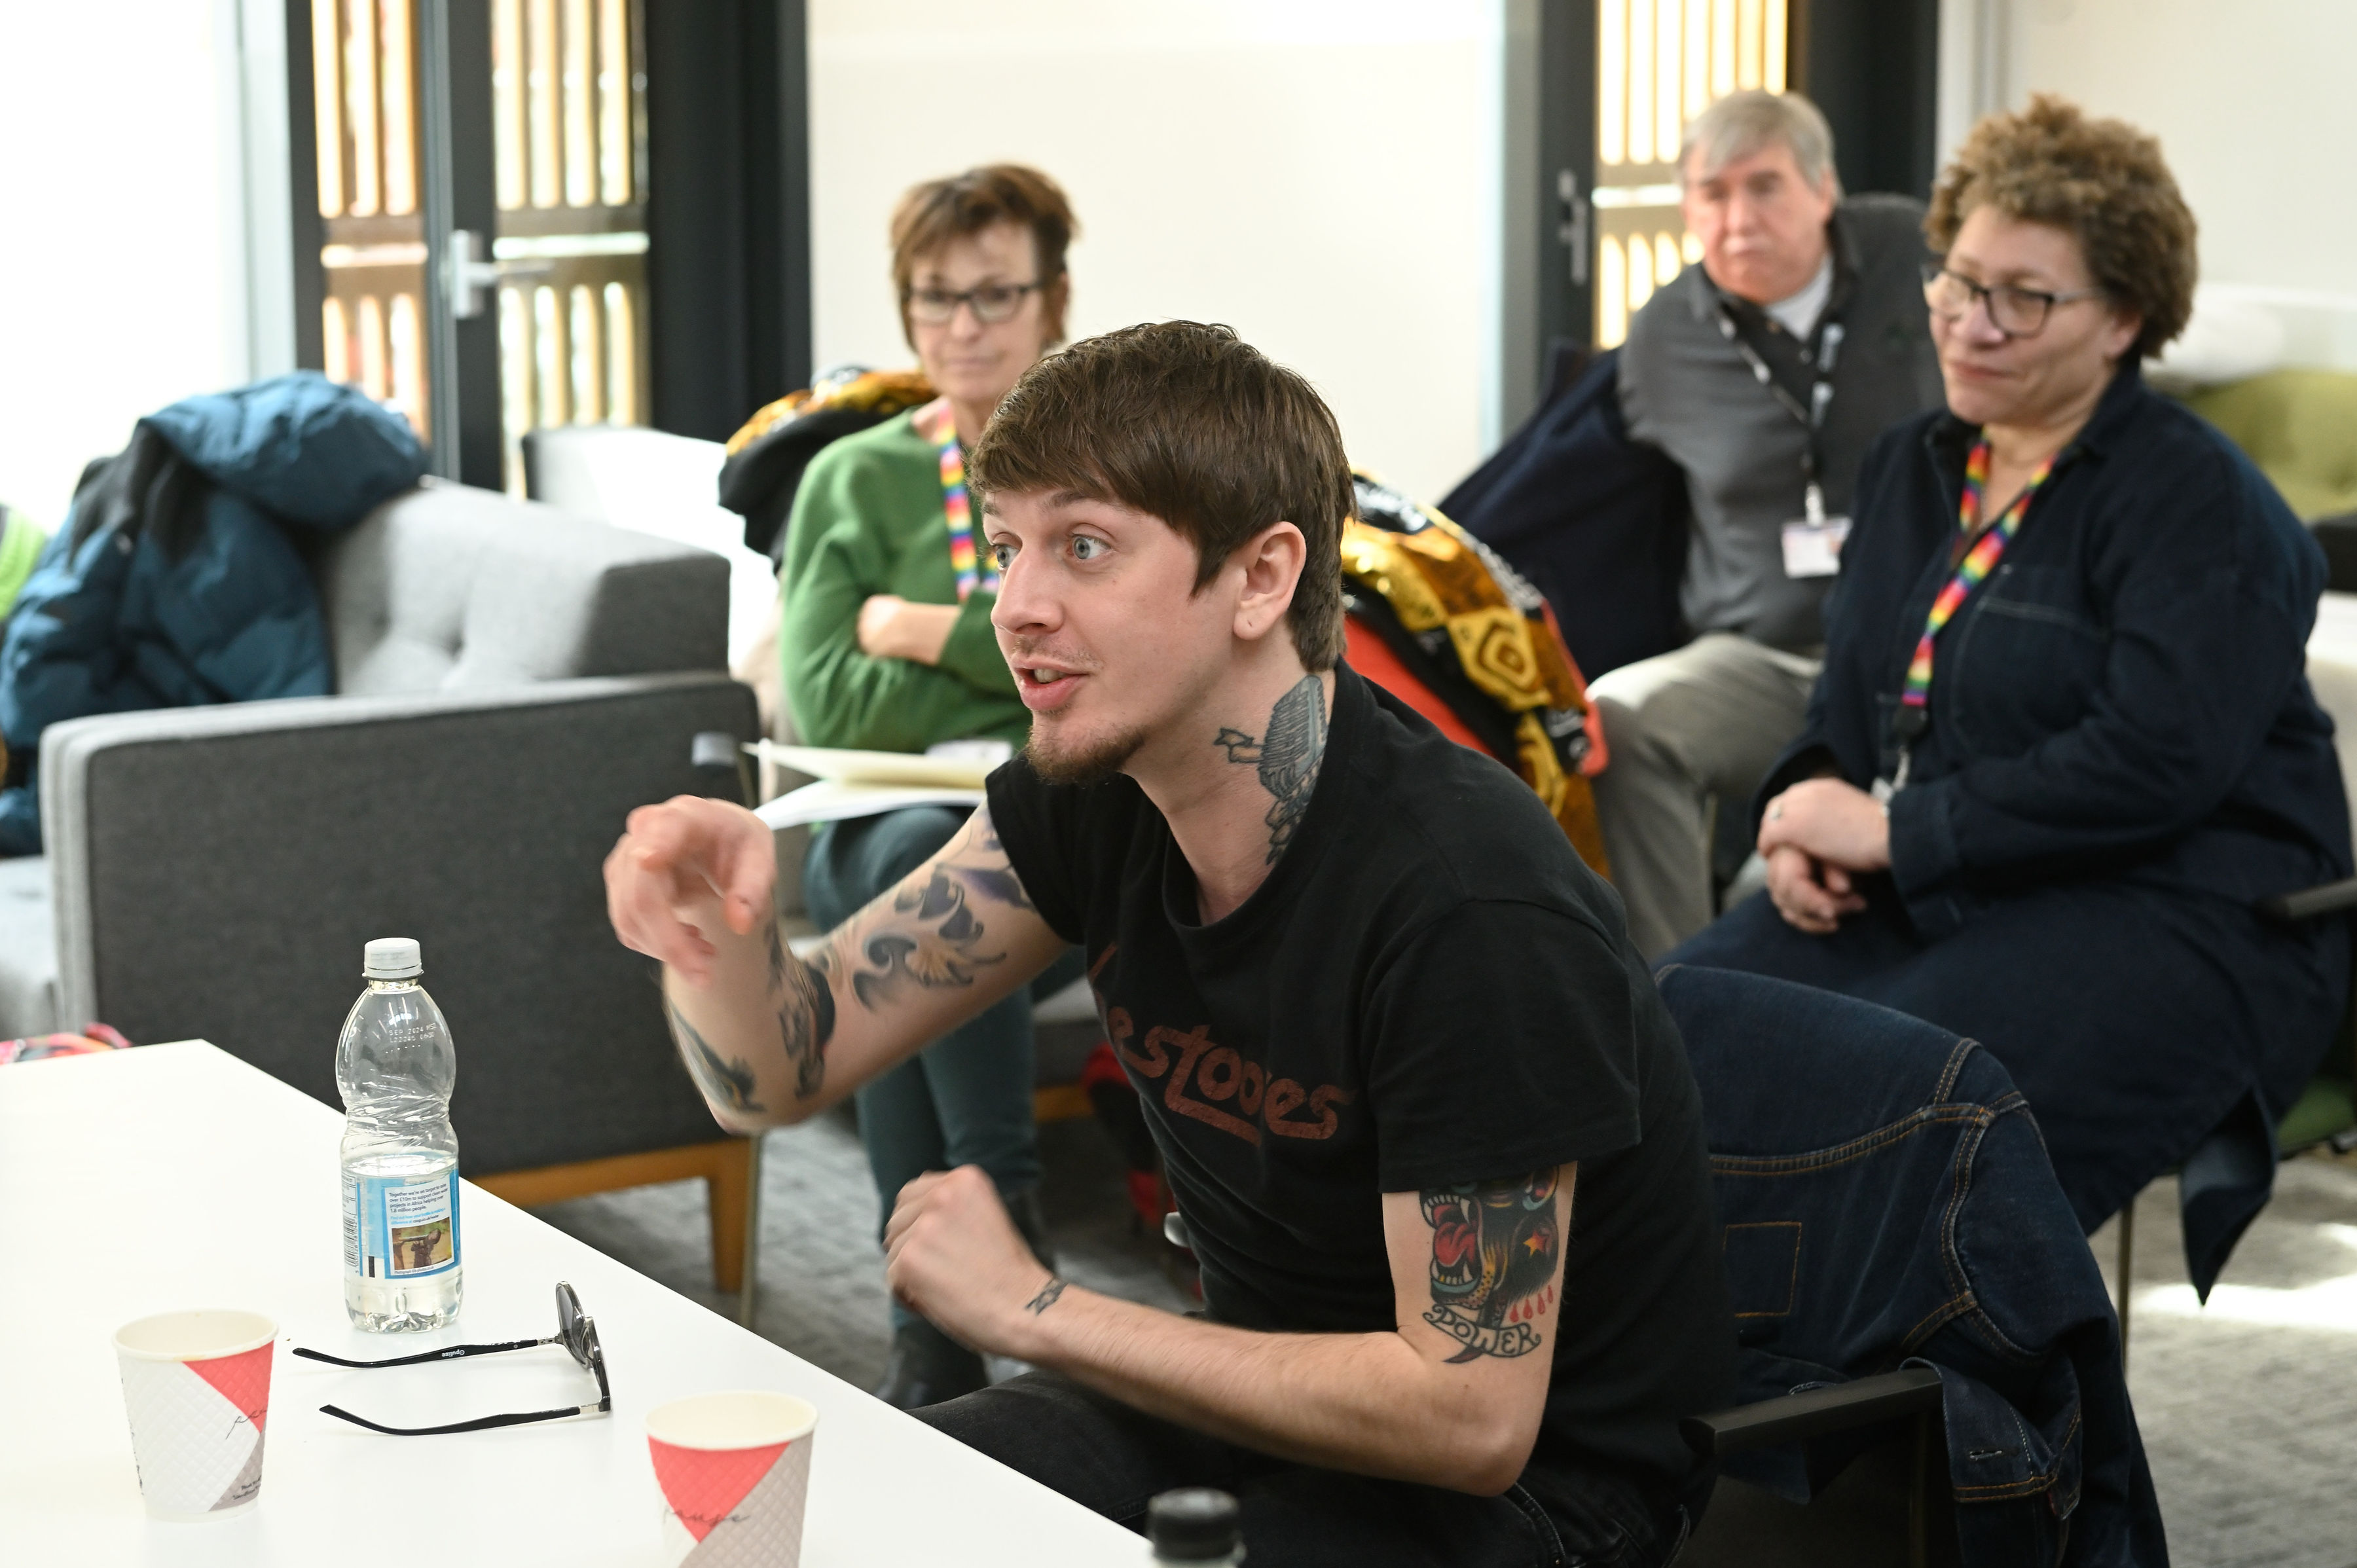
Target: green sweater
point(868, 520)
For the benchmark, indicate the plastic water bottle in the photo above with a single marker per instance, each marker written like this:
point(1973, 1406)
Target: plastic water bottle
point(395, 1069)
point(1195, 1526)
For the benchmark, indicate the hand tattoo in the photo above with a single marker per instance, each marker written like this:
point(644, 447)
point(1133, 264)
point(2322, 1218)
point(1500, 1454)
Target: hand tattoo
point(729, 1083)
point(1495, 1252)
point(1046, 1298)
point(1287, 759)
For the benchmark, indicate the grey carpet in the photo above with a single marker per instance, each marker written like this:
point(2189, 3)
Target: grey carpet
point(2249, 1408)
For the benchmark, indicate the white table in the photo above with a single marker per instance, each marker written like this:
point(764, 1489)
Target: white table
point(176, 1175)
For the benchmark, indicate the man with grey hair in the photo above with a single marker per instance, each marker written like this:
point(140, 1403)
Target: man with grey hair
point(1764, 373)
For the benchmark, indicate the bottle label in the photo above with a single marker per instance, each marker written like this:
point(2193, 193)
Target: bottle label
point(401, 1227)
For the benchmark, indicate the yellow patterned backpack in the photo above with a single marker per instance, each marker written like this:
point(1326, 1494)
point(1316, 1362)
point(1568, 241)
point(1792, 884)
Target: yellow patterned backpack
point(1436, 618)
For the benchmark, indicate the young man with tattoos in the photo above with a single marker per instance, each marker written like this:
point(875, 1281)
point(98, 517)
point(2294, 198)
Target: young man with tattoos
point(1429, 1127)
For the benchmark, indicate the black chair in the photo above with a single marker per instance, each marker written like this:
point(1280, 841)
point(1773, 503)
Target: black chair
point(1929, 1357)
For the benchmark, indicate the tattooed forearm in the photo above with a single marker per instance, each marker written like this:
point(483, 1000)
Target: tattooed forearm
point(1046, 1298)
point(929, 938)
point(1496, 1250)
point(1287, 758)
point(805, 1004)
point(728, 1082)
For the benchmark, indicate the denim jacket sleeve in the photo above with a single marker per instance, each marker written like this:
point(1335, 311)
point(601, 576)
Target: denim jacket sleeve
point(2205, 597)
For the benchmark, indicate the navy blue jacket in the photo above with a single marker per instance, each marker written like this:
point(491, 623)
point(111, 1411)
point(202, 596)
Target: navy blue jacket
point(1886, 1202)
point(2125, 698)
point(1594, 521)
point(185, 588)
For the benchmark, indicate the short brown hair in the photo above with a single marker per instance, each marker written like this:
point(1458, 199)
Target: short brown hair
point(1191, 424)
point(2102, 180)
point(932, 214)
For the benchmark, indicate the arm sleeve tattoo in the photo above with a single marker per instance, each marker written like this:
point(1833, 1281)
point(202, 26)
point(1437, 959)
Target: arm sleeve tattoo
point(805, 1012)
point(723, 1080)
point(1496, 1247)
point(931, 935)
point(920, 936)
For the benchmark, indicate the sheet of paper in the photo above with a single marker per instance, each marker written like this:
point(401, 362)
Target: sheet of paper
point(838, 799)
point(961, 770)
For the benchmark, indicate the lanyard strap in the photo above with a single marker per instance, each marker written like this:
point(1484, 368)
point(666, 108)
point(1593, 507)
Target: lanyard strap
point(1827, 342)
point(1915, 697)
point(937, 424)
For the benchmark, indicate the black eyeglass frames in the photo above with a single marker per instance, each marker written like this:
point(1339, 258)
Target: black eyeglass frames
point(2015, 312)
point(993, 301)
point(576, 1330)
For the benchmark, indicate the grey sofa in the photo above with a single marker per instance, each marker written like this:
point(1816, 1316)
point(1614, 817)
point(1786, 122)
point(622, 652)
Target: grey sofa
point(512, 682)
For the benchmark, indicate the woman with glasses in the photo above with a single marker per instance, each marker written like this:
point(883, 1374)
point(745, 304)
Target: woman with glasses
point(888, 646)
point(2063, 741)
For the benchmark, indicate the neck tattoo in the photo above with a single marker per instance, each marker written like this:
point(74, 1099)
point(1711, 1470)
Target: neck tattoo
point(1287, 758)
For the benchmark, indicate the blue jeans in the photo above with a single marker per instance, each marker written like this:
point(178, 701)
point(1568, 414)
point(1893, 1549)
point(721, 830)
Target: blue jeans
point(967, 1098)
point(1112, 1458)
point(1885, 1200)
point(2134, 1020)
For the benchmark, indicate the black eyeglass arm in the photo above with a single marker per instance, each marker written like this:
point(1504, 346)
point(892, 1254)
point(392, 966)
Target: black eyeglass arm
point(480, 1424)
point(448, 1353)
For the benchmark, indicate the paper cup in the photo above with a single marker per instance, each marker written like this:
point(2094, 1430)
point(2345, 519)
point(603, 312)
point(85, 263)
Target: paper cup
point(196, 1385)
point(734, 1470)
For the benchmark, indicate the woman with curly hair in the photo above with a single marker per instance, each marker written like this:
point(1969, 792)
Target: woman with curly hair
point(2063, 740)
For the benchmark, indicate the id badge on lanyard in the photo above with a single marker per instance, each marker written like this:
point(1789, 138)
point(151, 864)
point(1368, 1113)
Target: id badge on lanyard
point(1812, 542)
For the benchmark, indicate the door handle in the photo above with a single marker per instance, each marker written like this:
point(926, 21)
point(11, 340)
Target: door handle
point(1571, 226)
point(467, 276)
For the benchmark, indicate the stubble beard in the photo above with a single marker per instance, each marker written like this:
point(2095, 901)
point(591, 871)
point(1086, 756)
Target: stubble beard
point(1087, 763)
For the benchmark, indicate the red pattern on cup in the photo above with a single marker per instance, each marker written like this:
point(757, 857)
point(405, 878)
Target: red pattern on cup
point(702, 1485)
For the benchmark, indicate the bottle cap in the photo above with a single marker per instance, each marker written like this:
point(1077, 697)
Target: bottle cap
point(391, 958)
point(1193, 1524)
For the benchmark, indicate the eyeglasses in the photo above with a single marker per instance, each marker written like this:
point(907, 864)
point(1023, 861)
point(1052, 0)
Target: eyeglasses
point(2015, 312)
point(992, 303)
point(576, 1330)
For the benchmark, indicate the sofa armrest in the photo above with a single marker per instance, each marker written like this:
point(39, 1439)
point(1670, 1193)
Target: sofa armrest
point(1815, 1413)
point(215, 872)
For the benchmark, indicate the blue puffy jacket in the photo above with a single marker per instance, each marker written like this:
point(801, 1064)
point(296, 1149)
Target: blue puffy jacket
point(126, 611)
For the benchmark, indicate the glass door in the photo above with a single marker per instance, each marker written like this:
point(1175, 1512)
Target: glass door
point(514, 297)
point(365, 111)
point(1659, 64)
point(569, 133)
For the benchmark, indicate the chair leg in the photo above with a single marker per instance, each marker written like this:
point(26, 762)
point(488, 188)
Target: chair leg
point(748, 1293)
point(729, 1188)
point(2126, 1273)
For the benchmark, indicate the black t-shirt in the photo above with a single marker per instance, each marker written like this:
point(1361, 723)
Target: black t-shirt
point(1430, 988)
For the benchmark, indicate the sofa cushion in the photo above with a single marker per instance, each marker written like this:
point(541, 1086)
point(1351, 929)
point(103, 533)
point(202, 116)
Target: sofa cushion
point(2300, 427)
point(28, 951)
point(449, 586)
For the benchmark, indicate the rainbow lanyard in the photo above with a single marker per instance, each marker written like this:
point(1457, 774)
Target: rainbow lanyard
point(1915, 699)
point(937, 424)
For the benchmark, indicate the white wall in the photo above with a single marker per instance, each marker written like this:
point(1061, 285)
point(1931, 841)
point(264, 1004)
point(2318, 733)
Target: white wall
point(122, 281)
point(2254, 105)
point(1317, 174)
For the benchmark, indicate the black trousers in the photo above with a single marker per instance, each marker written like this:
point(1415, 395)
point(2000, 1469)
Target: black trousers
point(1112, 1459)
